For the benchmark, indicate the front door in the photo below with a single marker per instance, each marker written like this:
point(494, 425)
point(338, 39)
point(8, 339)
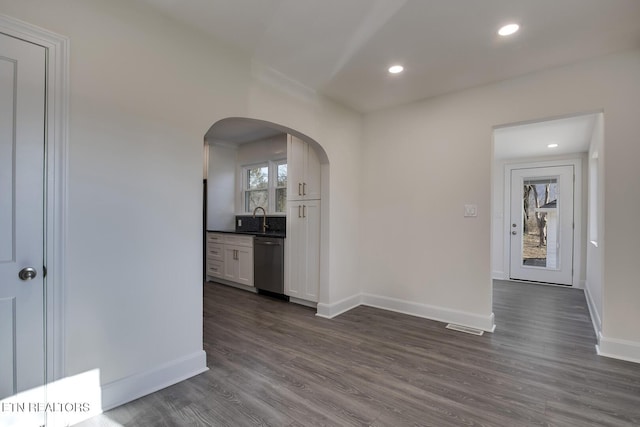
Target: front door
point(22, 134)
point(541, 227)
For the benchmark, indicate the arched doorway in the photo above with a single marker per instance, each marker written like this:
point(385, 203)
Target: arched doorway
point(235, 146)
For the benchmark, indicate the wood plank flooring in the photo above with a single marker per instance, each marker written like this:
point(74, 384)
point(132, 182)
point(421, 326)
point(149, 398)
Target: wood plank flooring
point(275, 363)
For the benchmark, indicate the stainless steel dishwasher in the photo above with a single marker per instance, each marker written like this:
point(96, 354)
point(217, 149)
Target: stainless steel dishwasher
point(268, 264)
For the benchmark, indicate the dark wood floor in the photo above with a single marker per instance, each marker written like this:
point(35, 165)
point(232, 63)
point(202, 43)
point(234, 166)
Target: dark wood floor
point(275, 363)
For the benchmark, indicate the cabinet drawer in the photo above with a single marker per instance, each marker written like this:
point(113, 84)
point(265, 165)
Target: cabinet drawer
point(215, 251)
point(215, 238)
point(238, 240)
point(214, 268)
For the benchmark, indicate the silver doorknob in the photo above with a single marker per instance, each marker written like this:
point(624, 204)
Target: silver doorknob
point(514, 232)
point(27, 273)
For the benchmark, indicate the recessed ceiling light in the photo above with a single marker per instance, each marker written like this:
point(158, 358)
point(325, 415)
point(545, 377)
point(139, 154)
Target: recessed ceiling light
point(395, 69)
point(552, 146)
point(509, 29)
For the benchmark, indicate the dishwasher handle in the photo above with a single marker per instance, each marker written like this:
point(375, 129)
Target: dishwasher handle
point(267, 242)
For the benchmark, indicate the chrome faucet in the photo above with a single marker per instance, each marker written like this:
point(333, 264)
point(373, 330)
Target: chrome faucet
point(264, 218)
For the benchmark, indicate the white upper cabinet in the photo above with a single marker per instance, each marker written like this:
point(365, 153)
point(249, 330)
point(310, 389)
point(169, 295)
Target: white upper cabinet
point(303, 174)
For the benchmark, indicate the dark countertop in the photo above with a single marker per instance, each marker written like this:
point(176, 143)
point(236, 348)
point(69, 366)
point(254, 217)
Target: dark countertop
point(280, 234)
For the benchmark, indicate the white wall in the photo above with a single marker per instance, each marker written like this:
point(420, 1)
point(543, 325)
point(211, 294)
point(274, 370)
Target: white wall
point(221, 187)
point(424, 161)
point(143, 92)
point(594, 277)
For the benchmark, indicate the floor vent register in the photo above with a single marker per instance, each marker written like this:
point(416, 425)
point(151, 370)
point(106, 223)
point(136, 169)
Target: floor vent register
point(465, 329)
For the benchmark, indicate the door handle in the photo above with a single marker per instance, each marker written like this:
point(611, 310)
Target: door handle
point(304, 211)
point(304, 188)
point(299, 216)
point(27, 273)
point(299, 189)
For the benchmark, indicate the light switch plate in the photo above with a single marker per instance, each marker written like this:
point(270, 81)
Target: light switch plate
point(470, 210)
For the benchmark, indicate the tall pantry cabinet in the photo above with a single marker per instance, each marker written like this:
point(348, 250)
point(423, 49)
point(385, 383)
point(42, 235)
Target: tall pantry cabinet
point(302, 249)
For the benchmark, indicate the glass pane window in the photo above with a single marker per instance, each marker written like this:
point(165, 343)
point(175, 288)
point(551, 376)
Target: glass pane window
point(281, 187)
point(258, 178)
point(281, 200)
point(256, 187)
point(256, 198)
point(282, 175)
point(265, 185)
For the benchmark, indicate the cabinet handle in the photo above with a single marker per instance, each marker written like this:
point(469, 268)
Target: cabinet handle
point(299, 212)
point(304, 188)
point(299, 189)
point(304, 211)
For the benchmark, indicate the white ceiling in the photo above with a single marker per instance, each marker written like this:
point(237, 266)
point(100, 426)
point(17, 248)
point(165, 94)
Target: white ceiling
point(572, 134)
point(238, 130)
point(342, 48)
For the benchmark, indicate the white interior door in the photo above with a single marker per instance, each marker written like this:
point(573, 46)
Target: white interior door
point(541, 227)
point(22, 130)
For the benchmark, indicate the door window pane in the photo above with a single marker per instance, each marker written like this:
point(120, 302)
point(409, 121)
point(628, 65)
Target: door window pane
point(540, 223)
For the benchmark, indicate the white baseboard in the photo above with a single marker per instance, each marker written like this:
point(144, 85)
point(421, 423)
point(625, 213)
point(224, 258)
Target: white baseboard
point(441, 314)
point(125, 390)
point(306, 303)
point(618, 349)
point(499, 275)
point(329, 311)
point(232, 284)
point(595, 315)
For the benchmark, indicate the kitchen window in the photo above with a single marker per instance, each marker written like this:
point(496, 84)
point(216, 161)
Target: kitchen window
point(265, 185)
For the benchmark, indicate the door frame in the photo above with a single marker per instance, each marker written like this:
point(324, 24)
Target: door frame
point(577, 211)
point(56, 171)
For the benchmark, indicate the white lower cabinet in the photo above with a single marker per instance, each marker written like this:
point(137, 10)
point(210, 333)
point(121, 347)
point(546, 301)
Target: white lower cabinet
point(302, 251)
point(238, 264)
point(230, 257)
